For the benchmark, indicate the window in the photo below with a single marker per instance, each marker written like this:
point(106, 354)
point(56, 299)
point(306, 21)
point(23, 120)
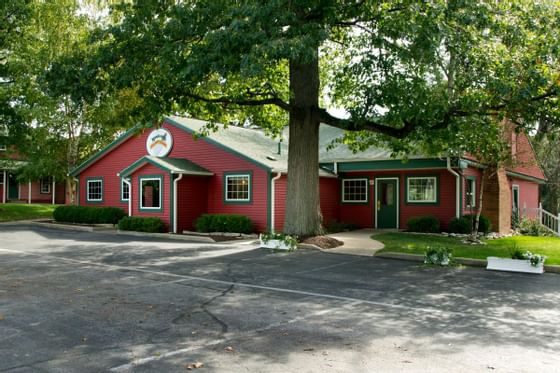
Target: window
point(125, 191)
point(2, 147)
point(422, 189)
point(46, 186)
point(94, 190)
point(150, 193)
point(470, 193)
point(238, 188)
point(354, 190)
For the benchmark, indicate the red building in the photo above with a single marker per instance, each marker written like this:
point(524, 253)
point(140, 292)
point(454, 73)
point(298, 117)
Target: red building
point(173, 174)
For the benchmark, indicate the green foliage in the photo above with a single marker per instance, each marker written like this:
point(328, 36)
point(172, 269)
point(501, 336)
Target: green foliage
point(142, 224)
point(532, 227)
point(465, 224)
point(224, 223)
point(88, 215)
point(339, 226)
point(288, 240)
point(424, 224)
point(442, 256)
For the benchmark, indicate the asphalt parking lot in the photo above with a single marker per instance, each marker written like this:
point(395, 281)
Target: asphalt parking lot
point(88, 302)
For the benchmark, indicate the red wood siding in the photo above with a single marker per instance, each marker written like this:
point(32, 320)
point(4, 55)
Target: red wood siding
point(192, 201)
point(37, 196)
point(329, 190)
point(528, 196)
point(207, 155)
point(364, 214)
point(150, 170)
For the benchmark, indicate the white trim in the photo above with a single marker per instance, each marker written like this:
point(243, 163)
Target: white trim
point(473, 193)
point(249, 181)
point(272, 200)
point(53, 190)
point(397, 198)
point(29, 192)
point(516, 186)
point(123, 181)
point(408, 178)
point(87, 190)
point(160, 180)
point(4, 189)
point(355, 179)
point(175, 186)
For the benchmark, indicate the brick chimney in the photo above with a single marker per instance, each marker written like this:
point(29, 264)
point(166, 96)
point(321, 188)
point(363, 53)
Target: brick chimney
point(497, 200)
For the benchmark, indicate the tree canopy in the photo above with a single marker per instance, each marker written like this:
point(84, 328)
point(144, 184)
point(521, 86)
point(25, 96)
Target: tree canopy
point(436, 75)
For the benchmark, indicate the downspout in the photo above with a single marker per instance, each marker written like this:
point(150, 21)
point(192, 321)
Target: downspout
point(335, 168)
point(129, 195)
point(29, 192)
point(175, 182)
point(457, 188)
point(272, 198)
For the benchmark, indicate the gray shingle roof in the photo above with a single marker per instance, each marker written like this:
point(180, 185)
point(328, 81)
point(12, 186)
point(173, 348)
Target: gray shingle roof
point(259, 147)
point(173, 165)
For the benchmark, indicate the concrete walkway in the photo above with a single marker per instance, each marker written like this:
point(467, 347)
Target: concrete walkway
point(357, 242)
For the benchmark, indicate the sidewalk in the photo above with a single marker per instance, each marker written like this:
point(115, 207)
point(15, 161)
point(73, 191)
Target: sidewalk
point(356, 242)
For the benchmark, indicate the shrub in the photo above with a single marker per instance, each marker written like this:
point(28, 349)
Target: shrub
point(438, 256)
point(339, 226)
point(142, 224)
point(465, 224)
point(88, 215)
point(532, 227)
point(426, 224)
point(224, 223)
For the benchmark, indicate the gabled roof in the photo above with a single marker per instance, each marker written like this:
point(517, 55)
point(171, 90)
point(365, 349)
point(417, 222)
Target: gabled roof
point(173, 165)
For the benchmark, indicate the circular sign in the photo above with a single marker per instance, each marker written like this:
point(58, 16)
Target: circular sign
point(159, 142)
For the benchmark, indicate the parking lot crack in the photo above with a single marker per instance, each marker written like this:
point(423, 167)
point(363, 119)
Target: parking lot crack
point(204, 307)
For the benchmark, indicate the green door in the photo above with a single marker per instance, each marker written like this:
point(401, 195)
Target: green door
point(13, 192)
point(386, 203)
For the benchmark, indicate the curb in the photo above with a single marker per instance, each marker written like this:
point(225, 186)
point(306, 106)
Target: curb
point(167, 236)
point(81, 228)
point(465, 261)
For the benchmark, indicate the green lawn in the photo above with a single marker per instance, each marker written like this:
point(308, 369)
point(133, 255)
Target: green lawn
point(21, 211)
point(416, 244)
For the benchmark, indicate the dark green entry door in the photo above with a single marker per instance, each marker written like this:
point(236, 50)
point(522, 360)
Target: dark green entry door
point(12, 187)
point(386, 203)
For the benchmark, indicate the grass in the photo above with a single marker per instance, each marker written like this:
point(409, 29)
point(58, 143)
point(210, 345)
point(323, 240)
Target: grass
point(416, 244)
point(21, 211)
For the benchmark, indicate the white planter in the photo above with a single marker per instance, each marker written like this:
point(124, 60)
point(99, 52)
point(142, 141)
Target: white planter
point(513, 265)
point(274, 244)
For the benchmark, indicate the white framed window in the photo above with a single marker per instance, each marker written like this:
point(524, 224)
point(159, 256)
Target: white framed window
point(2, 147)
point(125, 191)
point(421, 189)
point(150, 193)
point(94, 190)
point(355, 190)
point(470, 193)
point(46, 186)
point(238, 188)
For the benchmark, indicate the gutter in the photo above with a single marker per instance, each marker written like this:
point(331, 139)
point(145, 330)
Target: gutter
point(457, 188)
point(175, 202)
point(272, 198)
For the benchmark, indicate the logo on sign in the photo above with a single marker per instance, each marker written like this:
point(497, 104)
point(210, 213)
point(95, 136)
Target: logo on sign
point(159, 143)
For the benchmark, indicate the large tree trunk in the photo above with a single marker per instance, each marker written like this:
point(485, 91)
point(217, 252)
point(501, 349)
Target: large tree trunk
point(303, 214)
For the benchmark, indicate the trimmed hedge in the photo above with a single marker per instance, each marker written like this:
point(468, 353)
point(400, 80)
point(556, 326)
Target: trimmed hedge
point(424, 224)
point(142, 224)
point(465, 224)
point(88, 215)
point(230, 223)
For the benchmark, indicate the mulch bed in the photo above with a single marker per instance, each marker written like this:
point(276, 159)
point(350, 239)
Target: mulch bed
point(324, 242)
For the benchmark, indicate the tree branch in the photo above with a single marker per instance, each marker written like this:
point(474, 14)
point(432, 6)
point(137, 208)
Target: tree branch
point(242, 102)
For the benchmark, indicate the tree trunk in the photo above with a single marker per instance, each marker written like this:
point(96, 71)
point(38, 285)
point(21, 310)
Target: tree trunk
point(303, 214)
point(479, 211)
